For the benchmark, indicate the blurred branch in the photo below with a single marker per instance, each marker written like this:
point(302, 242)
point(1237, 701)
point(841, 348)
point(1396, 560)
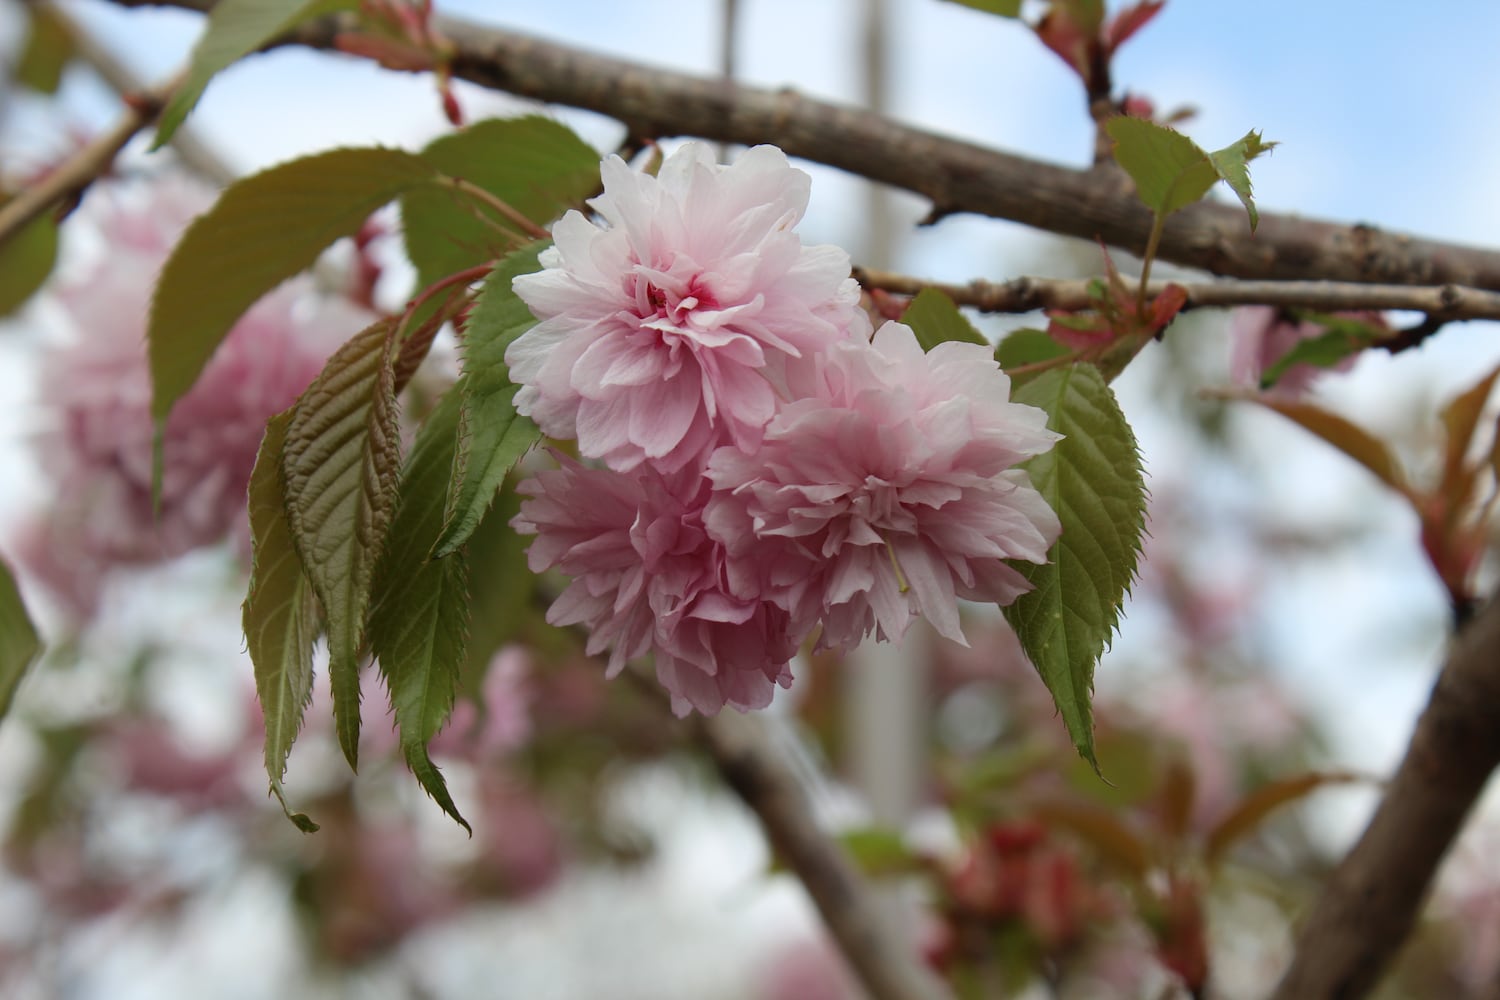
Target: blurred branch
point(955, 176)
point(1368, 906)
point(887, 964)
point(124, 81)
point(72, 176)
point(1443, 302)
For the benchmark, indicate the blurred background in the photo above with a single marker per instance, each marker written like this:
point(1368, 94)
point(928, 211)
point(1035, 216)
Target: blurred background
point(1286, 623)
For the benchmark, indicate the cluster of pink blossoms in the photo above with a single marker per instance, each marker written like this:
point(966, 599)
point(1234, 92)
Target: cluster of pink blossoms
point(768, 468)
point(97, 447)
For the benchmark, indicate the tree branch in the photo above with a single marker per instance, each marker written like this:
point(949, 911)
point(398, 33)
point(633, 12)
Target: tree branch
point(955, 176)
point(71, 177)
point(887, 965)
point(1447, 302)
point(1367, 907)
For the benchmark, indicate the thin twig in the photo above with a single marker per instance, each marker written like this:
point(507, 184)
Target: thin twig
point(125, 82)
point(886, 964)
point(70, 178)
point(1019, 295)
point(1368, 906)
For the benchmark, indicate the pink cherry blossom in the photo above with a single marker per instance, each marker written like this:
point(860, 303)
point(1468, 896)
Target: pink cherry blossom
point(97, 443)
point(889, 492)
point(667, 329)
point(1263, 335)
point(647, 578)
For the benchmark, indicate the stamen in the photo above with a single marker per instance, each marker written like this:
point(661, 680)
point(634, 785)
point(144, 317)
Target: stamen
point(901, 583)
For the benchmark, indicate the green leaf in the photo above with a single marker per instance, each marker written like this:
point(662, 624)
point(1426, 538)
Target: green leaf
point(493, 435)
point(341, 465)
point(419, 624)
point(19, 643)
point(535, 165)
point(235, 29)
point(26, 261)
point(935, 319)
point(1001, 8)
point(1027, 347)
point(1232, 164)
point(46, 52)
point(1168, 168)
point(880, 851)
point(501, 586)
point(1336, 343)
point(280, 614)
point(1171, 171)
point(263, 230)
point(1093, 480)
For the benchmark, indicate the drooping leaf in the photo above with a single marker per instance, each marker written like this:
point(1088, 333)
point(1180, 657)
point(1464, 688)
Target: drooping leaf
point(1349, 438)
point(1233, 166)
point(1460, 420)
point(280, 614)
point(1253, 810)
point(263, 230)
point(1124, 25)
point(535, 165)
point(1093, 480)
point(19, 643)
point(45, 53)
point(493, 435)
point(1171, 171)
point(1001, 8)
point(235, 28)
point(341, 466)
point(1027, 347)
point(420, 616)
point(26, 261)
point(934, 318)
point(501, 586)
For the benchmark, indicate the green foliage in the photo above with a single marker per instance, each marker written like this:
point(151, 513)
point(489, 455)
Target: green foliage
point(1233, 166)
point(26, 261)
point(1341, 338)
point(1171, 171)
point(280, 614)
point(235, 29)
point(493, 435)
point(1002, 8)
point(535, 165)
point(934, 318)
point(341, 463)
point(45, 53)
point(1093, 480)
point(419, 624)
point(1027, 347)
point(263, 230)
point(19, 643)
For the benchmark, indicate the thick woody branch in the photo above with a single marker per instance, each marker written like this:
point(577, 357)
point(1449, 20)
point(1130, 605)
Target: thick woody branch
point(955, 176)
point(1368, 906)
point(886, 964)
point(1446, 302)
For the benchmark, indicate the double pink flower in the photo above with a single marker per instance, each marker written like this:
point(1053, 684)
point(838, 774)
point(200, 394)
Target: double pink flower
point(768, 469)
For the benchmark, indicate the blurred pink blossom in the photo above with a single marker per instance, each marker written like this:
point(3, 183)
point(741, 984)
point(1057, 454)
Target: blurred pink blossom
point(669, 329)
point(1263, 335)
point(889, 492)
point(97, 445)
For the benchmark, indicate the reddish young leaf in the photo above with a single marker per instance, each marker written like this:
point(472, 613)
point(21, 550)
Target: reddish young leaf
point(1460, 421)
point(1255, 808)
point(1130, 20)
point(1349, 438)
point(1102, 830)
